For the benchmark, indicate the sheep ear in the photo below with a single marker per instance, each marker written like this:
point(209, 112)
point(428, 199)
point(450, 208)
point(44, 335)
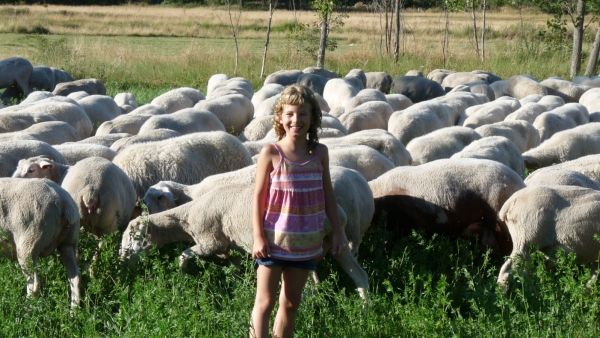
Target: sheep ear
point(46, 164)
point(168, 194)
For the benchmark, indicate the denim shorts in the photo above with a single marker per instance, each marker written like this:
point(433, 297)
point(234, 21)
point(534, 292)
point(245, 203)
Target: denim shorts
point(308, 265)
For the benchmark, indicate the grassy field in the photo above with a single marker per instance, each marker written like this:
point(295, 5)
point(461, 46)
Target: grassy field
point(420, 286)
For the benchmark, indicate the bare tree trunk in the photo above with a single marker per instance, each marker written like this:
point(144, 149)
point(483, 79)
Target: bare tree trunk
point(271, 9)
point(483, 32)
point(233, 31)
point(577, 38)
point(388, 27)
point(397, 31)
point(323, 42)
point(593, 61)
point(445, 41)
point(474, 27)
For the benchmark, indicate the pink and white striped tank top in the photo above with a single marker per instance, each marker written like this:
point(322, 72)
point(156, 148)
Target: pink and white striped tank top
point(295, 213)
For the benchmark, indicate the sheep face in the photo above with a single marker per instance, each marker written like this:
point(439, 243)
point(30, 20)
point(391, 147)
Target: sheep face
point(36, 167)
point(159, 199)
point(134, 240)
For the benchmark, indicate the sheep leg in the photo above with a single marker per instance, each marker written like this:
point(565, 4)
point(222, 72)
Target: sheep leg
point(67, 258)
point(348, 262)
point(24, 86)
point(30, 272)
point(197, 249)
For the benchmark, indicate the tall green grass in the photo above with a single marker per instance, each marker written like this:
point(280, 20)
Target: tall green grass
point(421, 286)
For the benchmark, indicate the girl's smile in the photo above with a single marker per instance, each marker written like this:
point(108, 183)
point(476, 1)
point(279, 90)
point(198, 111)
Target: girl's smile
point(296, 119)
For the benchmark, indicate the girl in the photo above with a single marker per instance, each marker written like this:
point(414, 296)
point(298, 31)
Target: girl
point(292, 195)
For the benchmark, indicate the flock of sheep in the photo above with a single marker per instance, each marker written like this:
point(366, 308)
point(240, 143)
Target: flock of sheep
point(446, 153)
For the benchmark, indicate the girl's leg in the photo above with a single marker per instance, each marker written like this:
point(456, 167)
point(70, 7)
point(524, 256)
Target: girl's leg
point(267, 281)
point(289, 301)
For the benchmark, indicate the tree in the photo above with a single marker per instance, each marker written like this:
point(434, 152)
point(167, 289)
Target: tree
point(233, 28)
point(324, 10)
point(271, 9)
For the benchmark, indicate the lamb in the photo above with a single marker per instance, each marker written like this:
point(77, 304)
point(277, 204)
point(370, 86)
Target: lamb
point(367, 161)
point(47, 220)
point(449, 196)
point(562, 118)
point(234, 111)
point(565, 146)
point(90, 86)
point(552, 217)
point(102, 192)
point(495, 148)
point(184, 121)
point(441, 143)
point(186, 159)
point(100, 108)
point(522, 133)
point(13, 151)
point(369, 115)
point(52, 132)
point(561, 177)
point(152, 135)
point(382, 141)
point(421, 119)
point(218, 227)
point(178, 99)
point(75, 152)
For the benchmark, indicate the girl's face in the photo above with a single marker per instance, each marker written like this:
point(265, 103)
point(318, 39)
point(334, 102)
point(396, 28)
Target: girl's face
point(296, 120)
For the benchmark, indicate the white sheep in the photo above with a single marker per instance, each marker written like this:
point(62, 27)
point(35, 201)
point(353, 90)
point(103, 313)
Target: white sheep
point(591, 101)
point(178, 99)
point(52, 132)
point(562, 118)
point(236, 85)
point(217, 221)
point(130, 124)
point(36, 96)
point(561, 177)
point(104, 195)
point(421, 119)
point(564, 146)
point(568, 91)
point(463, 100)
point(488, 113)
point(520, 86)
point(366, 160)
point(186, 159)
point(380, 81)
point(105, 140)
point(398, 101)
point(551, 101)
point(150, 136)
point(100, 108)
point(75, 152)
point(522, 133)
point(495, 148)
point(528, 112)
point(450, 196)
point(149, 109)
point(126, 99)
point(267, 91)
point(184, 121)
point(47, 220)
point(235, 111)
point(550, 218)
point(365, 95)
point(369, 115)
point(442, 143)
point(338, 92)
point(13, 151)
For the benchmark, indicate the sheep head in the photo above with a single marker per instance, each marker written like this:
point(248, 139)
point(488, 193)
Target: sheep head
point(35, 167)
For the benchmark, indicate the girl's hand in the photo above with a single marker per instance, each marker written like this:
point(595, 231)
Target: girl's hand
point(260, 248)
point(337, 244)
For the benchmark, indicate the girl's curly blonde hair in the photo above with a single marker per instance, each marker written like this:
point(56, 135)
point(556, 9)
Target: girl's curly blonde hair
point(299, 95)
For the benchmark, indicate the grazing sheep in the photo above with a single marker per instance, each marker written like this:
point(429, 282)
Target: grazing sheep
point(366, 160)
point(528, 112)
point(442, 143)
point(495, 148)
point(126, 99)
point(283, 77)
point(45, 221)
point(369, 115)
point(488, 113)
point(338, 92)
point(313, 81)
point(257, 129)
point(129, 124)
point(90, 86)
point(100, 108)
point(52, 132)
point(568, 91)
point(328, 74)
point(551, 102)
point(254, 147)
point(451, 196)
point(561, 177)
point(15, 121)
point(236, 85)
point(149, 109)
point(381, 81)
point(421, 119)
point(214, 81)
point(437, 75)
point(414, 73)
point(103, 193)
point(522, 133)
point(550, 218)
point(61, 76)
point(150, 136)
point(463, 100)
point(13, 151)
point(382, 141)
point(267, 91)
point(418, 89)
point(36, 96)
point(184, 121)
point(593, 81)
point(398, 101)
point(463, 78)
point(76, 96)
point(218, 227)
point(267, 106)
point(16, 72)
point(562, 118)
point(564, 146)
point(75, 152)
point(365, 95)
point(186, 159)
point(520, 86)
point(591, 101)
point(234, 111)
point(105, 140)
point(178, 99)
point(498, 88)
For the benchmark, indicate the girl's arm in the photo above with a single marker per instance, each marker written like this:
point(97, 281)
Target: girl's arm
point(264, 166)
point(331, 206)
